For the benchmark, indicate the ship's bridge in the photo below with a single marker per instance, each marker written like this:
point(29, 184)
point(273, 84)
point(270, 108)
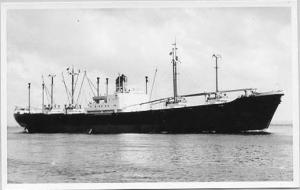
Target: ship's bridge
point(121, 101)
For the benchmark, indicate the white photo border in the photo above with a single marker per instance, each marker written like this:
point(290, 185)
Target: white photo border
point(151, 4)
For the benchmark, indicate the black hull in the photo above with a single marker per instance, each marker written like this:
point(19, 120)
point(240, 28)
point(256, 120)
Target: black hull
point(242, 114)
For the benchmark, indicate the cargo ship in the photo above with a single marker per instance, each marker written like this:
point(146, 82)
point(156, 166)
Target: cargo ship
point(130, 111)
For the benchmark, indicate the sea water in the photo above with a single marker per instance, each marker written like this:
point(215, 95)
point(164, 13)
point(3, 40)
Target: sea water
point(83, 158)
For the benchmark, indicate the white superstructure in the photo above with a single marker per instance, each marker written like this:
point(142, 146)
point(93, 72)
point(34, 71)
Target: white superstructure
point(123, 100)
point(119, 102)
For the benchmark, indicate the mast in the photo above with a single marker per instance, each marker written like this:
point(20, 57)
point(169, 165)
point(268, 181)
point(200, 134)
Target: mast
point(51, 76)
point(119, 83)
point(216, 58)
point(173, 53)
point(146, 78)
point(29, 97)
point(106, 88)
point(43, 92)
point(98, 78)
point(72, 101)
point(72, 73)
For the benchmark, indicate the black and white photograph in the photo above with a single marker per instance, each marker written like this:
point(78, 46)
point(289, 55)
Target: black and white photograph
point(163, 94)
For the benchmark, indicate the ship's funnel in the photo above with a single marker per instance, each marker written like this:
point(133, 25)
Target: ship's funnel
point(121, 83)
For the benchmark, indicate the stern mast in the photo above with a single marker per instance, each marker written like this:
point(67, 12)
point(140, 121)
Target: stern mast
point(216, 58)
point(43, 94)
point(29, 97)
point(173, 53)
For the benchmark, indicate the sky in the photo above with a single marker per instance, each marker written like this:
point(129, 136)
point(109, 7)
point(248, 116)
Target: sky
point(255, 45)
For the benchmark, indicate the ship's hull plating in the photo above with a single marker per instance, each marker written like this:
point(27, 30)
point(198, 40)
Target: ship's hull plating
point(242, 114)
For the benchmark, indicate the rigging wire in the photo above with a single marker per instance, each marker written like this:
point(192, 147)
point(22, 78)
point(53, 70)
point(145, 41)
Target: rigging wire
point(66, 88)
point(153, 84)
point(46, 90)
point(76, 81)
point(88, 94)
point(68, 91)
point(81, 87)
point(86, 98)
point(91, 85)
